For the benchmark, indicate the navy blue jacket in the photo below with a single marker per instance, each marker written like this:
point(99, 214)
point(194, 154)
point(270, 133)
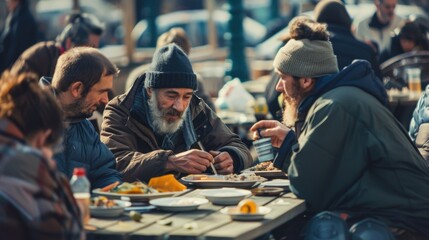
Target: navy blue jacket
point(83, 148)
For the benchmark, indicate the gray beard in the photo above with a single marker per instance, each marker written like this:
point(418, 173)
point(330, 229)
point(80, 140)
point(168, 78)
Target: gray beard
point(162, 126)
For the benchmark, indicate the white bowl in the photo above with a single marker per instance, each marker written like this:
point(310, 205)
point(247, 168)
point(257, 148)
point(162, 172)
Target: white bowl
point(109, 211)
point(225, 196)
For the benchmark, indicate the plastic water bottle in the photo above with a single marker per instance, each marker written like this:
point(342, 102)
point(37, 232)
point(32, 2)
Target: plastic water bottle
point(80, 186)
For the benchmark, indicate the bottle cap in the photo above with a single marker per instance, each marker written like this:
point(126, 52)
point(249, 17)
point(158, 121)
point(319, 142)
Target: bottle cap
point(79, 172)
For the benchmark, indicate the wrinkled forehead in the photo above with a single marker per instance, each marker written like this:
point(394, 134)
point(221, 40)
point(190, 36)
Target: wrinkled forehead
point(178, 91)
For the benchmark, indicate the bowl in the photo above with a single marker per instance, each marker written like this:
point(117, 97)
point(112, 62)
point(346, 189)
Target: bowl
point(280, 183)
point(267, 191)
point(225, 196)
point(112, 211)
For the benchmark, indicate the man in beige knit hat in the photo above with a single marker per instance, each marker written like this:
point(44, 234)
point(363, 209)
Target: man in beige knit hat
point(343, 150)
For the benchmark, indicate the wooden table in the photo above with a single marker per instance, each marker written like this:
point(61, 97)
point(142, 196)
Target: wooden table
point(205, 223)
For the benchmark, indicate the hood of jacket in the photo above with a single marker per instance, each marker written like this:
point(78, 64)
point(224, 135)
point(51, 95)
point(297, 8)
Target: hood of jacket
point(358, 74)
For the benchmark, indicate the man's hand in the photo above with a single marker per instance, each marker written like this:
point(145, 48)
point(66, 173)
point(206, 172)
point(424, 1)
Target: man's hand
point(272, 129)
point(193, 161)
point(223, 162)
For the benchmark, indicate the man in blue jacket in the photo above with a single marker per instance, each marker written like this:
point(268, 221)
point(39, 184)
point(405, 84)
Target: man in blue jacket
point(342, 148)
point(81, 82)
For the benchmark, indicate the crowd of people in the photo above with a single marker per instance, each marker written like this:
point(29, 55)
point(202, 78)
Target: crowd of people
point(344, 152)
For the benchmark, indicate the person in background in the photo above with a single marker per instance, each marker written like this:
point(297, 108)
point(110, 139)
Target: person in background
point(344, 151)
point(83, 29)
point(153, 129)
point(177, 36)
point(376, 30)
point(346, 47)
point(411, 37)
point(36, 201)
point(82, 79)
point(20, 32)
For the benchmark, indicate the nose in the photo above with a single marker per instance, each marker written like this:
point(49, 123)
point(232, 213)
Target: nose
point(104, 98)
point(179, 104)
point(280, 85)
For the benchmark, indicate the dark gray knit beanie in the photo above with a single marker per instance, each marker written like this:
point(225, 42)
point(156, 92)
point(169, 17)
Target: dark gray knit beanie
point(170, 68)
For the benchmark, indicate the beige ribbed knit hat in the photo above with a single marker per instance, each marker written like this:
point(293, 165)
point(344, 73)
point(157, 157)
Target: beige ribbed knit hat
point(306, 58)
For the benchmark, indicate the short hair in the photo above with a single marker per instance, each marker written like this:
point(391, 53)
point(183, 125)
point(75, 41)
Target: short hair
point(81, 64)
point(30, 107)
point(175, 35)
point(79, 27)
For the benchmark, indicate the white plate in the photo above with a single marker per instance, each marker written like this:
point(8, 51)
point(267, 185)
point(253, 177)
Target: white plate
point(109, 211)
point(225, 196)
point(218, 181)
point(145, 197)
point(267, 174)
point(283, 183)
point(178, 204)
point(236, 215)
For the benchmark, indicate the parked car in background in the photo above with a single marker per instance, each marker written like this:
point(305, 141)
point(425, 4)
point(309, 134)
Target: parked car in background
point(195, 23)
point(51, 16)
point(268, 48)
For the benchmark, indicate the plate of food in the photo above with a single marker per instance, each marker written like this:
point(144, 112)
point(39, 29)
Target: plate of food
point(266, 170)
point(178, 204)
point(136, 191)
point(217, 181)
point(103, 207)
point(246, 210)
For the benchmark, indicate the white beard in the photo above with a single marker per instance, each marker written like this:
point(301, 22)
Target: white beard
point(161, 125)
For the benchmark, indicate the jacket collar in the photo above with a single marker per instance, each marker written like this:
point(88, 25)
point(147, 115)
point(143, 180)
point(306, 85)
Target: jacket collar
point(375, 22)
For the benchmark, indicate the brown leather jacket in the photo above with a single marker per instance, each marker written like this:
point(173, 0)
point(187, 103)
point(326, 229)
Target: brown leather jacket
point(139, 156)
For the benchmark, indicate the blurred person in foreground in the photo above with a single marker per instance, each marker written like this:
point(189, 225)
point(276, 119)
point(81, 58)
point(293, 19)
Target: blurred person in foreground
point(376, 30)
point(342, 148)
point(346, 47)
point(177, 36)
point(153, 129)
point(36, 201)
point(83, 29)
point(19, 33)
point(81, 81)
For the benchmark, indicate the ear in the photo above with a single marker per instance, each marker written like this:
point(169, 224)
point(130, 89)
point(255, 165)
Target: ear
point(76, 89)
point(149, 92)
point(41, 137)
point(307, 83)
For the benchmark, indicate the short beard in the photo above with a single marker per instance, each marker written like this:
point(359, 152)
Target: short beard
point(162, 126)
point(74, 110)
point(291, 103)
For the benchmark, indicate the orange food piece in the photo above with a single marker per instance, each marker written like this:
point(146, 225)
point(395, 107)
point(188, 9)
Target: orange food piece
point(247, 206)
point(110, 186)
point(166, 183)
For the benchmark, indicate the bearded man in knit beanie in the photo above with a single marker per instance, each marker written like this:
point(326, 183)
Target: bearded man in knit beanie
point(343, 150)
point(154, 128)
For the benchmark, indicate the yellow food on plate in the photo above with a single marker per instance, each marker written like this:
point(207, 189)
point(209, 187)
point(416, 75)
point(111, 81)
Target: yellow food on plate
point(247, 206)
point(166, 183)
point(132, 188)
